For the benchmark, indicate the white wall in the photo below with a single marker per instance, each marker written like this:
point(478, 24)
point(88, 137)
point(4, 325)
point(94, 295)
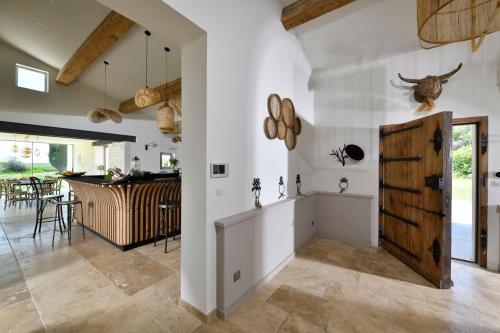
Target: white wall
point(249, 56)
point(257, 243)
point(352, 101)
point(66, 106)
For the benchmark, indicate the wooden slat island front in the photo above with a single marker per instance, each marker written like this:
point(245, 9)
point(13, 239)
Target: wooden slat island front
point(124, 214)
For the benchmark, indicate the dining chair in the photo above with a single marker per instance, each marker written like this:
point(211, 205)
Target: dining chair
point(42, 200)
point(16, 193)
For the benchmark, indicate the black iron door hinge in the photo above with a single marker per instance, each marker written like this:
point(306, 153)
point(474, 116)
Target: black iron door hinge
point(484, 143)
point(437, 140)
point(484, 241)
point(383, 159)
point(435, 248)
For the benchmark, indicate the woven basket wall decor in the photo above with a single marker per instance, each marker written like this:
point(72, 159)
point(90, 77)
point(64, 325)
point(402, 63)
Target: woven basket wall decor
point(282, 122)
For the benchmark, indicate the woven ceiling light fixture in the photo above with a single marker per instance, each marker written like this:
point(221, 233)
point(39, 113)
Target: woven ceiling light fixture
point(98, 115)
point(146, 96)
point(168, 115)
point(443, 22)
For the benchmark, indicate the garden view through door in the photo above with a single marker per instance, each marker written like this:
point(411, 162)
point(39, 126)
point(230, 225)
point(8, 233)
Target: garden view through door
point(464, 192)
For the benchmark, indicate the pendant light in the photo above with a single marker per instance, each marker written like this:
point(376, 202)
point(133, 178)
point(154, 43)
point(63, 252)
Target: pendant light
point(98, 115)
point(443, 22)
point(15, 147)
point(165, 117)
point(146, 96)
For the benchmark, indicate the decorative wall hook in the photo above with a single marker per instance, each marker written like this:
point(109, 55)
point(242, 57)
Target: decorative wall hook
point(299, 184)
point(340, 154)
point(256, 191)
point(343, 184)
point(281, 188)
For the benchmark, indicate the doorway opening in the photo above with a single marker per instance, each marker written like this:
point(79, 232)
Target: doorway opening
point(469, 190)
point(464, 192)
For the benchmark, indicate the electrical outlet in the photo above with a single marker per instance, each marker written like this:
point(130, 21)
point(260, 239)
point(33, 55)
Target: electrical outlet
point(236, 275)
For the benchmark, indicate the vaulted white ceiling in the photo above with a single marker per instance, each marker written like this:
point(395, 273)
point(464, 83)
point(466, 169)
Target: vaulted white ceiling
point(51, 30)
point(361, 31)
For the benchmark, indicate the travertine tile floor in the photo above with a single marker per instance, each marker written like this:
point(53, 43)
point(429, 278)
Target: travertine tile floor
point(329, 287)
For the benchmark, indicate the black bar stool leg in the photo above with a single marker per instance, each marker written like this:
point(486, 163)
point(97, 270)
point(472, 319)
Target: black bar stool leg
point(37, 217)
point(44, 203)
point(165, 224)
point(59, 213)
point(54, 229)
point(157, 226)
point(62, 215)
point(70, 219)
point(83, 225)
point(174, 220)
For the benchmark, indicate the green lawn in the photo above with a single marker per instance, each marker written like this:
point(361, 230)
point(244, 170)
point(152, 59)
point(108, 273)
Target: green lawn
point(462, 188)
point(39, 170)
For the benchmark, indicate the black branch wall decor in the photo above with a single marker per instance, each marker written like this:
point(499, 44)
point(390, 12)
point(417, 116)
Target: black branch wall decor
point(340, 154)
point(351, 151)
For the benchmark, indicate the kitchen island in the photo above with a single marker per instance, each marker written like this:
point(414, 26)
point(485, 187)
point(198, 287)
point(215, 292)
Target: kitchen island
point(125, 214)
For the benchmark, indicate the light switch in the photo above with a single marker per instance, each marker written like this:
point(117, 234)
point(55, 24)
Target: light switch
point(219, 192)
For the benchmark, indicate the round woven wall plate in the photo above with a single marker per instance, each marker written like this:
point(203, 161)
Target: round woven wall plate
point(281, 129)
point(274, 106)
point(288, 111)
point(290, 139)
point(297, 126)
point(270, 129)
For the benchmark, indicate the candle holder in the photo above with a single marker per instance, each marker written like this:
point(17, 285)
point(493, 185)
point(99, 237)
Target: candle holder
point(256, 188)
point(299, 184)
point(281, 188)
point(343, 184)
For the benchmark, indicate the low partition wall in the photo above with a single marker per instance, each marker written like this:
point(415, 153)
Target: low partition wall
point(254, 245)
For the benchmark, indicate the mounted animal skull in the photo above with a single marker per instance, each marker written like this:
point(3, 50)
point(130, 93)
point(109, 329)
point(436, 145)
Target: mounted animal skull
point(428, 89)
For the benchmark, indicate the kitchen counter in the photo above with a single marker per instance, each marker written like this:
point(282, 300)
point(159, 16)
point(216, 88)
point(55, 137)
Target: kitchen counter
point(126, 214)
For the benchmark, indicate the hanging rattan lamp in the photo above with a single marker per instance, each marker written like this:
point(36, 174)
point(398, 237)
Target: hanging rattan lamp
point(443, 22)
point(98, 115)
point(146, 96)
point(167, 117)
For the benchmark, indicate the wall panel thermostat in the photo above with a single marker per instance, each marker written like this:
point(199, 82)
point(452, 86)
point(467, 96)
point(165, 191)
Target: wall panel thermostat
point(219, 170)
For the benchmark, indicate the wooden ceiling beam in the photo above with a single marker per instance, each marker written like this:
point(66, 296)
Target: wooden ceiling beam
point(173, 89)
point(107, 33)
point(303, 11)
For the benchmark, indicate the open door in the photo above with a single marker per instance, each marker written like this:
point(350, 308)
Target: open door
point(415, 195)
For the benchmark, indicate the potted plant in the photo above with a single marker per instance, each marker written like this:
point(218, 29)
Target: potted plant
point(173, 162)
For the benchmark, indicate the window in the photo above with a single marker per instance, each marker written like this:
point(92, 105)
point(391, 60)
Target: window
point(32, 78)
point(165, 161)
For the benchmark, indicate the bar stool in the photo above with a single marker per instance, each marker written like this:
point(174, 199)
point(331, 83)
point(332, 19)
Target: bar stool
point(41, 202)
point(169, 209)
point(70, 205)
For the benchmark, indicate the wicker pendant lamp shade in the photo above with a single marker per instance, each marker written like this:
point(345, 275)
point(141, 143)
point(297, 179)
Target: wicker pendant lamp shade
point(442, 22)
point(146, 96)
point(99, 115)
point(167, 117)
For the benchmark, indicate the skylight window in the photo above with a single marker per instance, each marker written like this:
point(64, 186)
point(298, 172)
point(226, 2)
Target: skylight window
point(32, 78)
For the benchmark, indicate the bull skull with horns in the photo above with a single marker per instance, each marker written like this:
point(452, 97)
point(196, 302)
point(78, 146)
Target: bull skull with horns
point(428, 89)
